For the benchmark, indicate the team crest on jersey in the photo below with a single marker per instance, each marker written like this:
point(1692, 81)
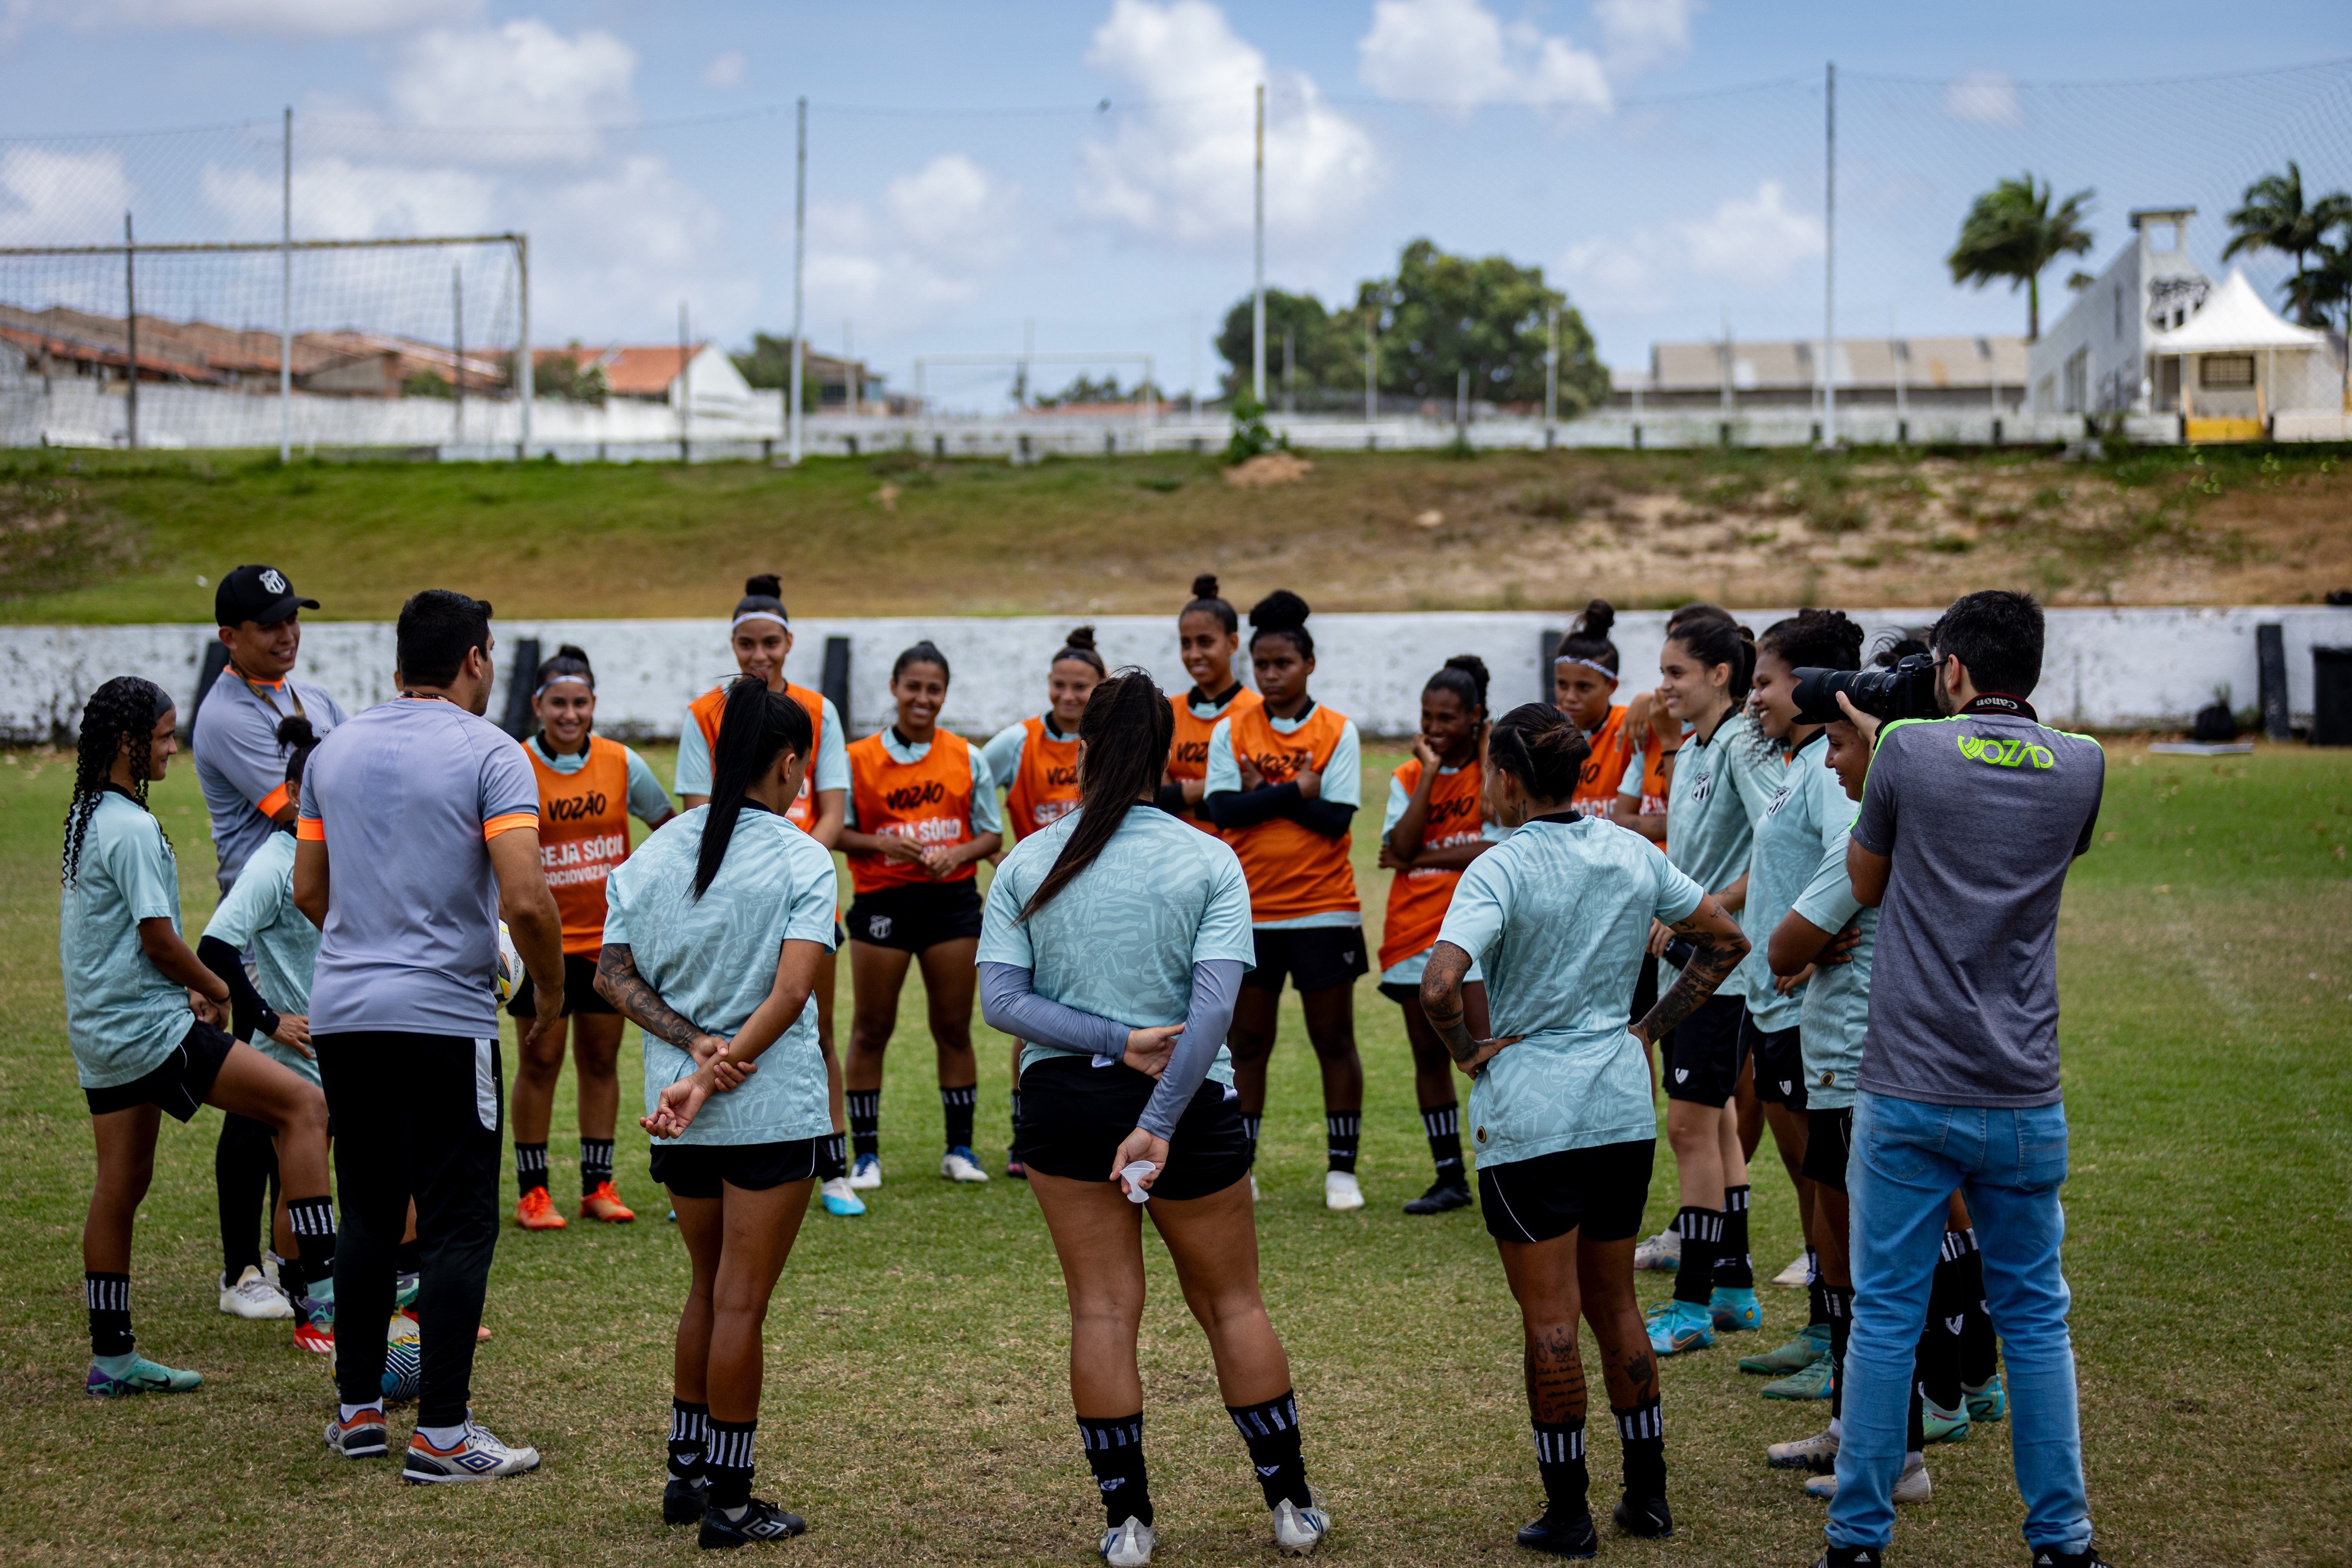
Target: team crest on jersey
point(1701, 787)
point(1780, 799)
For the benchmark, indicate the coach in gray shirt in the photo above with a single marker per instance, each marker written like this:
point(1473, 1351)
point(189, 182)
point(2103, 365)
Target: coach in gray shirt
point(239, 764)
point(1969, 824)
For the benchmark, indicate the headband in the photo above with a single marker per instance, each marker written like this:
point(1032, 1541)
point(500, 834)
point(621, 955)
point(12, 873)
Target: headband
point(775, 615)
point(559, 680)
point(1572, 659)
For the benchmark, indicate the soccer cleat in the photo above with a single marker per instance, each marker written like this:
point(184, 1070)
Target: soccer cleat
point(958, 1164)
point(1648, 1517)
point(1818, 1381)
point(118, 1376)
point(1677, 1326)
point(1298, 1530)
point(1558, 1537)
point(2051, 1557)
point(1911, 1486)
point(1850, 1557)
point(1444, 1196)
point(253, 1296)
point(839, 1200)
point(361, 1437)
point(477, 1457)
point(1129, 1546)
point(1733, 1310)
point(683, 1499)
point(535, 1210)
point(1937, 1425)
point(757, 1519)
point(314, 1318)
point(1018, 1172)
point(1987, 1401)
point(606, 1204)
point(1809, 1345)
point(1341, 1192)
point(1796, 1276)
point(1663, 1250)
point(866, 1174)
point(1817, 1453)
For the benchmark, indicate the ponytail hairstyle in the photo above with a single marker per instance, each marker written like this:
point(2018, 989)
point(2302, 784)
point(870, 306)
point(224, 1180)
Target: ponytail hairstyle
point(1080, 645)
point(1542, 748)
point(1127, 729)
point(1589, 644)
point(1817, 639)
point(922, 653)
point(298, 740)
point(125, 708)
point(763, 599)
point(1206, 602)
point(1282, 613)
point(1464, 676)
point(1714, 639)
point(753, 728)
point(568, 663)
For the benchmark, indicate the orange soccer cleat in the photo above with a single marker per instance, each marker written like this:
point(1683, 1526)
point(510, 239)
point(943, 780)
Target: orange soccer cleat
point(536, 1211)
point(606, 1204)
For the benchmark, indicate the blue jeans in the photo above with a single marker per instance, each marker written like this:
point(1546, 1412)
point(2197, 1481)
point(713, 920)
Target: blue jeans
point(1909, 1158)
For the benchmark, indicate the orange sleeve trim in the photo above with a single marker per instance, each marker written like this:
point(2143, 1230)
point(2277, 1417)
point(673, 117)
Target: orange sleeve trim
point(310, 830)
point(269, 805)
point(508, 823)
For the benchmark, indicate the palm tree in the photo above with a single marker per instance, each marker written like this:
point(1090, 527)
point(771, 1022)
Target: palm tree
point(2013, 233)
point(2274, 216)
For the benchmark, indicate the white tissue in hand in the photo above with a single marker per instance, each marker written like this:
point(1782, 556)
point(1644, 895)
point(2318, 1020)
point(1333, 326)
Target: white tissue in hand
point(1135, 1173)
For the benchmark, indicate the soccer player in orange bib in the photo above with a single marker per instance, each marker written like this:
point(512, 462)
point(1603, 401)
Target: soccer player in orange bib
point(1208, 638)
point(922, 816)
point(1583, 682)
point(588, 788)
point(1437, 824)
point(1036, 761)
point(1283, 784)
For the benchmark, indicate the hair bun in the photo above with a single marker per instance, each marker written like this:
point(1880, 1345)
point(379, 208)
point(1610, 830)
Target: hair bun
point(1598, 618)
point(294, 731)
point(1080, 637)
point(572, 650)
point(764, 585)
point(1205, 586)
point(1278, 612)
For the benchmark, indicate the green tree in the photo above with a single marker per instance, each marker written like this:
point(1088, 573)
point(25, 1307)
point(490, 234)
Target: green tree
point(2274, 215)
point(1084, 390)
point(2012, 232)
point(1441, 314)
point(768, 364)
point(1322, 359)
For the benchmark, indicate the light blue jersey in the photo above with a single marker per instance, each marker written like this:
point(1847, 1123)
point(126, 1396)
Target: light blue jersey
point(713, 961)
point(1836, 1011)
point(1807, 815)
point(1559, 914)
point(123, 1015)
point(1719, 788)
point(258, 915)
point(1120, 941)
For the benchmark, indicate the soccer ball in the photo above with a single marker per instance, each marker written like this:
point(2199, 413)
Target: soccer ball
point(509, 974)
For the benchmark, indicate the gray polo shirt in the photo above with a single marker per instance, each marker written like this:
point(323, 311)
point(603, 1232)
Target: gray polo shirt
point(240, 764)
point(406, 797)
point(1981, 816)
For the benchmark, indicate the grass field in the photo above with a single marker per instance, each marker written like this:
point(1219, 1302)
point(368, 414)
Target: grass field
point(916, 1409)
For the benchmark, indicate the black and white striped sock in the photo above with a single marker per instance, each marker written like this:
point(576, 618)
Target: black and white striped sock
point(957, 1106)
point(1442, 1124)
point(1115, 1453)
point(1702, 1233)
point(1734, 1269)
point(1271, 1430)
point(690, 1436)
point(1016, 1115)
point(109, 1298)
point(833, 1158)
point(727, 1459)
point(595, 1164)
point(864, 1120)
point(1559, 1460)
point(1250, 1125)
point(1344, 1130)
point(313, 1223)
point(1641, 1432)
point(530, 1166)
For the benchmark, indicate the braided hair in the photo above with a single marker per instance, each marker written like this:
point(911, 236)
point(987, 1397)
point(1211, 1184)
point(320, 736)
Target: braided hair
point(1542, 748)
point(125, 709)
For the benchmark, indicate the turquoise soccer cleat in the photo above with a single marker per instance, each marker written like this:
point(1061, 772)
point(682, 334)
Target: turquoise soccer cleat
point(1937, 1425)
point(1809, 1345)
point(1988, 1401)
point(1815, 1382)
point(1734, 1310)
point(118, 1376)
point(1677, 1326)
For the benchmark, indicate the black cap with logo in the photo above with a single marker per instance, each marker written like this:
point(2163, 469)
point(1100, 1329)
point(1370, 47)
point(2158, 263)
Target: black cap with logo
point(257, 593)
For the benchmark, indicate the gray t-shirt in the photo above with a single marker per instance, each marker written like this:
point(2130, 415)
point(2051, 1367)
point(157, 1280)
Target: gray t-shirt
point(1981, 815)
point(240, 764)
point(406, 797)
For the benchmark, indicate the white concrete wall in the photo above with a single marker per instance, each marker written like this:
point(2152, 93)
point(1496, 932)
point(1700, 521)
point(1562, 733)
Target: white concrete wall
point(2109, 669)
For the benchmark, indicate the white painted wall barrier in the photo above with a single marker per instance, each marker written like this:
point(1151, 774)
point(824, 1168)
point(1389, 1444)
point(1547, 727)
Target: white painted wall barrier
point(2103, 669)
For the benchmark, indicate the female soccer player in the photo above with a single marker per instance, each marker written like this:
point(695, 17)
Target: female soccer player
point(761, 638)
point(1037, 762)
point(1558, 914)
point(1208, 638)
point(922, 816)
point(1284, 783)
point(1656, 736)
point(588, 788)
point(1583, 682)
point(711, 943)
point(1115, 943)
point(1721, 778)
point(143, 1016)
point(1437, 824)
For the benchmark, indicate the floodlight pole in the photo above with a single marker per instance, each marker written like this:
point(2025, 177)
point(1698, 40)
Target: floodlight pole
point(1258, 288)
point(526, 376)
point(1371, 387)
point(1828, 260)
point(458, 353)
point(286, 294)
point(1551, 369)
point(130, 334)
point(800, 251)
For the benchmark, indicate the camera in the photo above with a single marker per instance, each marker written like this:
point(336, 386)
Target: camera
point(1907, 690)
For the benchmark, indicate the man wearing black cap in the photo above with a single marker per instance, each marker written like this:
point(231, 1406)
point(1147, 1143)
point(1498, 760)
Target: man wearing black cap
point(239, 760)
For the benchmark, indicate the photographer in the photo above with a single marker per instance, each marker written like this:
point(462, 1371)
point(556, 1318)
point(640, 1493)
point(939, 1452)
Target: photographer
point(1969, 823)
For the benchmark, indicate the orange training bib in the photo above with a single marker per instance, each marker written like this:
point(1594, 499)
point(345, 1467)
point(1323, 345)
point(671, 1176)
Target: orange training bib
point(583, 833)
point(1418, 899)
point(1292, 870)
point(928, 802)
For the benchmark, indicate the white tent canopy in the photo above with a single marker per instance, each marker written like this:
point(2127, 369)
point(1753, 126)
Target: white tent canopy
point(2234, 320)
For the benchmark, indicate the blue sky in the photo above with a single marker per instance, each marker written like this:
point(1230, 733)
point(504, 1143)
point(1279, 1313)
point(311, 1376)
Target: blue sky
point(1600, 140)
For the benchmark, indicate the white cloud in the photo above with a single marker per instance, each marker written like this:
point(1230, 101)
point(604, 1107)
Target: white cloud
point(275, 18)
point(727, 70)
point(61, 198)
point(615, 252)
point(1459, 53)
point(940, 232)
point(1644, 35)
point(336, 198)
point(1754, 243)
point(1180, 168)
point(1983, 98)
point(523, 77)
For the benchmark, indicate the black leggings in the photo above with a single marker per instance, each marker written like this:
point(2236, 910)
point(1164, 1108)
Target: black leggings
point(244, 1173)
point(416, 1116)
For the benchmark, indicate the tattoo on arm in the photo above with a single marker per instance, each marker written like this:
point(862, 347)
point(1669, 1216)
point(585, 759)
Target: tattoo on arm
point(1440, 999)
point(1720, 948)
point(618, 982)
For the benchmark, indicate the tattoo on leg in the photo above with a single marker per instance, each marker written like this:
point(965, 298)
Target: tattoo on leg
point(1555, 1373)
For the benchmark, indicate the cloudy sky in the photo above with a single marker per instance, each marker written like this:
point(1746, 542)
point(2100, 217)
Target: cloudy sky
point(1080, 169)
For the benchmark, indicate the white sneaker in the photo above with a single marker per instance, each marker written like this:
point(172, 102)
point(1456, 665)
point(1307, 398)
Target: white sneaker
point(478, 1456)
point(1817, 1453)
point(1299, 1530)
point(1663, 1250)
point(1911, 1486)
point(253, 1296)
point(957, 1164)
point(839, 1200)
point(1796, 1276)
point(1129, 1546)
point(1341, 1191)
point(866, 1174)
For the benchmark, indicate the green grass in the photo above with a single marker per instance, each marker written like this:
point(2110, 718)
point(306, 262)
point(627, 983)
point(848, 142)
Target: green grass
point(916, 1406)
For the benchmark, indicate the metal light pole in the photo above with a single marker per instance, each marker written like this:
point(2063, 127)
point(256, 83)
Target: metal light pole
point(1372, 385)
point(1258, 288)
point(526, 376)
point(1551, 369)
point(458, 349)
point(130, 334)
point(799, 244)
point(1829, 261)
point(285, 296)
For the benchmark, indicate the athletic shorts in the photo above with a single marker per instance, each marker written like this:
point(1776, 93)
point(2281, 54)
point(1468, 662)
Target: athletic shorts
point(1829, 1142)
point(1704, 1052)
point(695, 1170)
point(1779, 1063)
point(917, 917)
point(1315, 957)
point(178, 1084)
point(578, 991)
point(1598, 1190)
point(1074, 1115)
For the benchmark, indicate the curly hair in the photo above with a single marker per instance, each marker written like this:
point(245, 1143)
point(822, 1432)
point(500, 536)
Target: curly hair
point(125, 708)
